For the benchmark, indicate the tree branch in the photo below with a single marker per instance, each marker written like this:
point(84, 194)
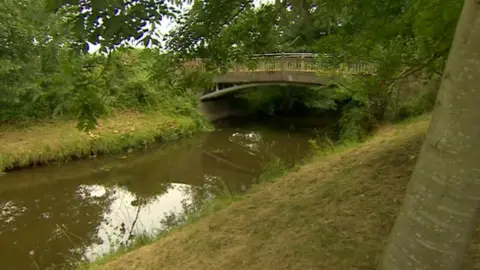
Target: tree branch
point(411, 71)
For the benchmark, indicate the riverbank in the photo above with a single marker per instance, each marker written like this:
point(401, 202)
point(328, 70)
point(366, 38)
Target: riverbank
point(59, 141)
point(334, 213)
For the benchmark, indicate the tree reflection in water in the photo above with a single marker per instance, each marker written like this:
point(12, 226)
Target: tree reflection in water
point(57, 215)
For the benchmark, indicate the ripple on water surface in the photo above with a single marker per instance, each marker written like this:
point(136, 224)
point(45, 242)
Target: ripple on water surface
point(58, 214)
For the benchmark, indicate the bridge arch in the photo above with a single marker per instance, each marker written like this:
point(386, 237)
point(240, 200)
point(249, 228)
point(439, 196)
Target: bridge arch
point(235, 88)
point(283, 68)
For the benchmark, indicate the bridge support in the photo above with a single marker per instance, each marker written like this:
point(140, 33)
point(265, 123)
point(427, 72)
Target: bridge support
point(216, 109)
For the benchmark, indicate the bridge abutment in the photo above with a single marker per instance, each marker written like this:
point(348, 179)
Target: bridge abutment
point(216, 109)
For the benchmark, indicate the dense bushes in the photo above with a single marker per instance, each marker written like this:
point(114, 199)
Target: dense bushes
point(43, 75)
point(127, 79)
point(358, 104)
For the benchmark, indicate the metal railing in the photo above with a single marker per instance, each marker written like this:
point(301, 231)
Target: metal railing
point(303, 62)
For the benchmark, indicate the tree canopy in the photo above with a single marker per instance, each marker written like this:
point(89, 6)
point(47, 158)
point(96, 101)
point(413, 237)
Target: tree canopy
point(402, 38)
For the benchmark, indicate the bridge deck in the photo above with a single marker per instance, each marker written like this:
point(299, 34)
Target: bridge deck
point(283, 68)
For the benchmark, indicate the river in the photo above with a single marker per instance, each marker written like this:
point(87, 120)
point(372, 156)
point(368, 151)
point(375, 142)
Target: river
point(56, 215)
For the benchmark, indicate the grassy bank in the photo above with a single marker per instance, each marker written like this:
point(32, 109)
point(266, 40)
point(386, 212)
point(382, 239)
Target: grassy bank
point(333, 213)
point(59, 141)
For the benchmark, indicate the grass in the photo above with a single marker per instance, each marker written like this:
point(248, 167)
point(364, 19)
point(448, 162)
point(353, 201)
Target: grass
point(335, 212)
point(137, 242)
point(60, 141)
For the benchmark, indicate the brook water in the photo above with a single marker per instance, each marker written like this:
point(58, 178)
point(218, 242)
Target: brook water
point(54, 215)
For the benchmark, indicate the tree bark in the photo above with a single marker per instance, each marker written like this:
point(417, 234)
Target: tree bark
point(438, 216)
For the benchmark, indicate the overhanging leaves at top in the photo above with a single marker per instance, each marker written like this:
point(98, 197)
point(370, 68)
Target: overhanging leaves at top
point(109, 23)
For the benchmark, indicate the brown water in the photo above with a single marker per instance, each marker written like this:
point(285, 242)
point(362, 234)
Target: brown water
point(55, 215)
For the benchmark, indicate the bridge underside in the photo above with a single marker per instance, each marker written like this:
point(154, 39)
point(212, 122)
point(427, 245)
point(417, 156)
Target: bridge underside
point(219, 92)
point(237, 81)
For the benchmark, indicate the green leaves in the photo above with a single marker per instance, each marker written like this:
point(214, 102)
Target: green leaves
point(400, 36)
point(395, 34)
point(89, 108)
point(215, 31)
point(111, 23)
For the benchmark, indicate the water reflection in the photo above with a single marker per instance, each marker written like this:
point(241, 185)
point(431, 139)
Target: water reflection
point(127, 217)
point(50, 216)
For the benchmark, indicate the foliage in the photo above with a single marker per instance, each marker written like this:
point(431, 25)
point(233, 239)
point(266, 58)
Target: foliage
point(90, 85)
point(43, 77)
point(273, 170)
point(236, 31)
point(111, 23)
point(20, 58)
point(226, 31)
point(49, 79)
point(405, 42)
point(278, 100)
point(402, 38)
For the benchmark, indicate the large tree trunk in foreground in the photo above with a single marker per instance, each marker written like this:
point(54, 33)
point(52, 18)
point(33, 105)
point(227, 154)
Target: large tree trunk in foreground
point(438, 217)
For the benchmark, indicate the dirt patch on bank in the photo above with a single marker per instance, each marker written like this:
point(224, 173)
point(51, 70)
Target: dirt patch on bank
point(334, 213)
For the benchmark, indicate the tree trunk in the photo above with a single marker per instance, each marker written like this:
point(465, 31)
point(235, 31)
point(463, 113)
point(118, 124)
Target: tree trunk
point(438, 216)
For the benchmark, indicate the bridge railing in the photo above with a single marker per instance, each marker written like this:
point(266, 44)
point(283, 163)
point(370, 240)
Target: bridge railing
point(304, 62)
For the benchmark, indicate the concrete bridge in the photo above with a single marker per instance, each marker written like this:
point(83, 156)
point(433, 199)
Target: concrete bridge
point(282, 69)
